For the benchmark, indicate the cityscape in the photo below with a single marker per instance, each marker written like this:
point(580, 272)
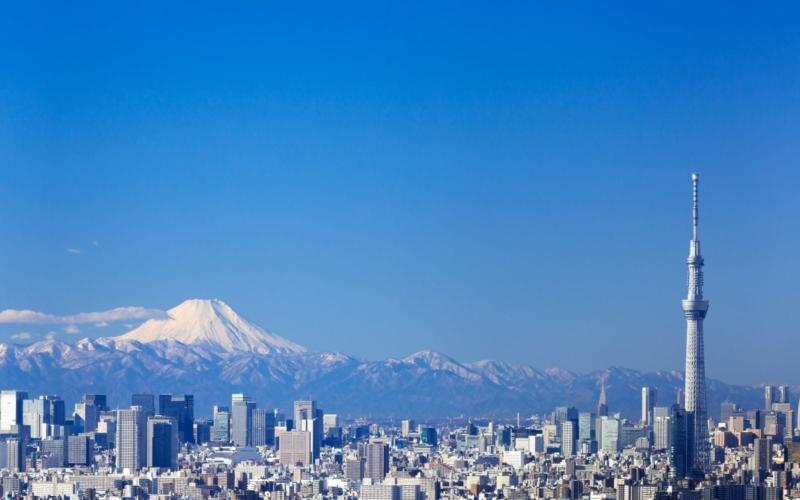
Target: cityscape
point(399, 250)
point(161, 445)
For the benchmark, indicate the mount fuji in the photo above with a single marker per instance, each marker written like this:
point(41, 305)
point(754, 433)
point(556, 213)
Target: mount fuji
point(204, 348)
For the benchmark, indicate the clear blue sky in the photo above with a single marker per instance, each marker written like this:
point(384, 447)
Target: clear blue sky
point(503, 180)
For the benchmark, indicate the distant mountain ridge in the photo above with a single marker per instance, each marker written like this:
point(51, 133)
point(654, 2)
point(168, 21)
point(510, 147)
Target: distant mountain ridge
point(206, 349)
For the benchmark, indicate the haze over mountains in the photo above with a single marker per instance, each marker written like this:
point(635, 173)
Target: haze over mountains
point(206, 349)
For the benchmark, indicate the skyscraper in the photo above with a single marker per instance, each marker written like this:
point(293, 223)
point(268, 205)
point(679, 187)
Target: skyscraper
point(769, 396)
point(11, 410)
point(602, 404)
point(241, 420)
point(376, 456)
point(181, 408)
point(146, 401)
point(307, 417)
point(262, 427)
point(131, 438)
point(162, 442)
point(694, 309)
point(783, 394)
point(682, 443)
point(648, 403)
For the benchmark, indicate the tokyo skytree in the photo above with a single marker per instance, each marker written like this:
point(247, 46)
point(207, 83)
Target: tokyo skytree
point(695, 309)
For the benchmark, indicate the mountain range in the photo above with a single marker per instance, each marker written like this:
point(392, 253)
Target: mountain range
point(205, 348)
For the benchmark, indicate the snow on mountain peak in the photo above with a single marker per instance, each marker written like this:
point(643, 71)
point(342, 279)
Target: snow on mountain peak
point(210, 324)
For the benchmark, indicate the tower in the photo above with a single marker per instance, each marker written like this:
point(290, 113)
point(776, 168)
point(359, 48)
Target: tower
point(602, 404)
point(694, 309)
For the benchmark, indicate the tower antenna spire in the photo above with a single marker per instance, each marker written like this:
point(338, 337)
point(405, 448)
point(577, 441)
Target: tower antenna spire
point(695, 207)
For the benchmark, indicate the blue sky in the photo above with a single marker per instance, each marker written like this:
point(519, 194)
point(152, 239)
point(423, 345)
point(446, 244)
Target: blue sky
point(506, 181)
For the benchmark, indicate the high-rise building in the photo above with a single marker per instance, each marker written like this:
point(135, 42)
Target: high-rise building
point(131, 438)
point(661, 427)
point(695, 308)
point(602, 403)
point(44, 416)
point(241, 420)
point(15, 454)
point(85, 417)
point(98, 400)
point(586, 431)
point(649, 395)
point(429, 436)
point(181, 408)
point(762, 456)
point(569, 434)
point(263, 427)
point(307, 417)
point(221, 418)
point(681, 443)
point(146, 401)
point(202, 431)
point(769, 396)
point(376, 461)
point(55, 449)
point(11, 410)
point(80, 450)
point(162, 442)
point(406, 427)
point(294, 447)
point(783, 394)
point(610, 428)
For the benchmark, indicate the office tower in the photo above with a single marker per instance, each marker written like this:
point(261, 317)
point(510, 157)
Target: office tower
point(649, 395)
point(769, 396)
point(11, 410)
point(263, 427)
point(695, 309)
point(241, 420)
point(221, 426)
point(202, 431)
point(307, 417)
point(181, 408)
point(329, 421)
point(15, 453)
point(44, 416)
point(428, 435)
point(569, 433)
point(661, 427)
point(679, 400)
point(586, 426)
point(610, 428)
point(131, 438)
point(85, 417)
point(376, 461)
point(681, 443)
point(146, 401)
point(353, 469)
point(406, 427)
point(563, 414)
point(294, 447)
point(762, 457)
point(80, 450)
point(98, 400)
point(726, 410)
point(602, 404)
point(783, 394)
point(56, 451)
point(162, 442)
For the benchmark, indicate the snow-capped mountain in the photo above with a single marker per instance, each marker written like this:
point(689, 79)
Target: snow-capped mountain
point(206, 349)
point(212, 325)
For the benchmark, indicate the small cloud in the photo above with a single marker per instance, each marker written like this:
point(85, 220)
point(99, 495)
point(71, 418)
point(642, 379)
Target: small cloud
point(22, 336)
point(101, 324)
point(50, 335)
point(72, 329)
point(95, 243)
point(74, 251)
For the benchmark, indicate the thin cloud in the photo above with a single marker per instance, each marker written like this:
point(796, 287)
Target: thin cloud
point(74, 251)
point(22, 336)
point(129, 313)
point(72, 329)
point(95, 243)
